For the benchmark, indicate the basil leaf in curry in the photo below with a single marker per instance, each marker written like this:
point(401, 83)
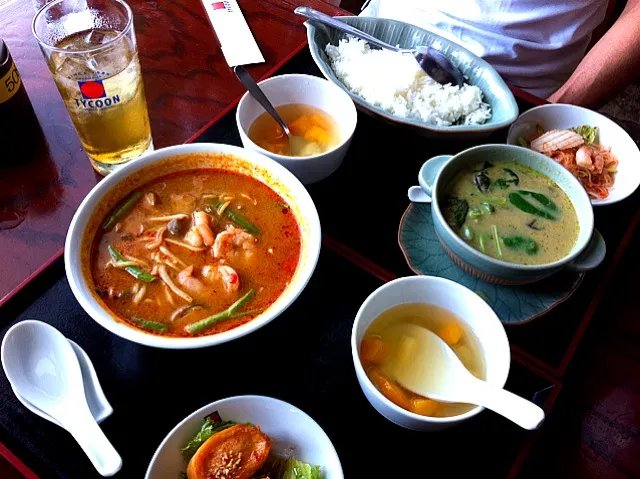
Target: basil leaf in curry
point(523, 243)
point(456, 211)
point(504, 183)
point(482, 182)
point(542, 206)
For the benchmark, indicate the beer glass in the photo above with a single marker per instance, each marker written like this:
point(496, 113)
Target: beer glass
point(90, 47)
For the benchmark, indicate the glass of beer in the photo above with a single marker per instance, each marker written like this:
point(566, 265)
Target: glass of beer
point(90, 47)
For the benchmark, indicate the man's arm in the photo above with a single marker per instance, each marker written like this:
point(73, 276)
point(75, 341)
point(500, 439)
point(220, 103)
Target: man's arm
point(611, 64)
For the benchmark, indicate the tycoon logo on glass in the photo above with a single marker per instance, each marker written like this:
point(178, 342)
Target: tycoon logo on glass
point(93, 94)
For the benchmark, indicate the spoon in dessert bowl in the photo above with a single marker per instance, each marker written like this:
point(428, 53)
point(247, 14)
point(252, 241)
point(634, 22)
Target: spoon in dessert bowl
point(296, 143)
point(426, 365)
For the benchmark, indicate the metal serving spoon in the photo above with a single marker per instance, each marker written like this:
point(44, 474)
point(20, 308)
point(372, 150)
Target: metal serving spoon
point(432, 61)
point(426, 365)
point(296, 143)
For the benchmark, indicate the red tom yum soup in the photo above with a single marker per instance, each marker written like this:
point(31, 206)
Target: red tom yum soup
point(195, 253)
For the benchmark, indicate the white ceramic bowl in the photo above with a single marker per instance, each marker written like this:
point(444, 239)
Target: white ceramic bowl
point(309, 90)
point(462, 302)
point(561, 116)
point(105, 196)
point(289, 428)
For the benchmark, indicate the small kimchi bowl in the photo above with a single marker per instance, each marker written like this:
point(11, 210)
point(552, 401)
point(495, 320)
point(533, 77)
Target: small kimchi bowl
point(477, 315)
point(88, 220)
point(611, 135)
point(292, 432)
point(312, 91)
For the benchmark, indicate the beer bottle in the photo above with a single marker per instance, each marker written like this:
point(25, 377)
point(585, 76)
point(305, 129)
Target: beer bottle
point(16, 113)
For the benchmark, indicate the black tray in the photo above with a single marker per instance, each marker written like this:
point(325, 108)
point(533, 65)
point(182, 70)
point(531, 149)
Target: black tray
point(361, 204)
point(303, 357)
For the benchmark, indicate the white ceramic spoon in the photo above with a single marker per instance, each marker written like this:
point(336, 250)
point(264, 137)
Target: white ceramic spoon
point(43, 368)
point(96, 400)
point(426, 365)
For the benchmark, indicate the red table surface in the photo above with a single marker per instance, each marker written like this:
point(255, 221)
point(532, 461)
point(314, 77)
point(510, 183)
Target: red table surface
point(187, 82)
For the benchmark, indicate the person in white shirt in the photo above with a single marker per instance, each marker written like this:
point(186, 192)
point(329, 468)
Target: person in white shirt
point(537, 45)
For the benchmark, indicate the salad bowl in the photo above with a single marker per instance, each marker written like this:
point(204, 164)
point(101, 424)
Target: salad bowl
point(291, 431)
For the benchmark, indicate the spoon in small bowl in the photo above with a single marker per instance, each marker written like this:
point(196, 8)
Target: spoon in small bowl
point(427, 366)
point(43, 368)
point(296, 143)
point(432, 61)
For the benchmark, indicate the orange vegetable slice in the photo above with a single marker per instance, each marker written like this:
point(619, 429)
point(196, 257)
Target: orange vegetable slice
point(394, 393)
point(423, 406)
point(451, 333)
point(318, 121)
point(317, 135)
point(238, 452)
point(372, 351)
point(389, 389)
point(300, 126)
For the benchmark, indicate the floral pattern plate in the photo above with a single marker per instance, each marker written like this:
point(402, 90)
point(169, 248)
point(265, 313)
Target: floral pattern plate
point(512, 304)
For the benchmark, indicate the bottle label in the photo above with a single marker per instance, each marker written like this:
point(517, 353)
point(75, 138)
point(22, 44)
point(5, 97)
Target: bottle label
point(10, 83)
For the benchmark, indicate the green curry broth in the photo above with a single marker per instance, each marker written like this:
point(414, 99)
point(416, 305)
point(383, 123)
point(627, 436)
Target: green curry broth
point(554, 239)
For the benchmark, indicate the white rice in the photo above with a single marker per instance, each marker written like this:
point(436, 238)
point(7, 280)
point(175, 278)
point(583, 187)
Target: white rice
point(396, 83)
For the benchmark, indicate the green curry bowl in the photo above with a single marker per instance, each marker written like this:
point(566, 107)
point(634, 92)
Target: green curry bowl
point(509, 215)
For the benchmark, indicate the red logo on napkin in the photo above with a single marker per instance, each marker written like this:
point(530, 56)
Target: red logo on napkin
point(218, 5)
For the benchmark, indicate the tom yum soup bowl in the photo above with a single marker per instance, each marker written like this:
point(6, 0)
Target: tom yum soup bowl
point(313, 92)
point(217, 170)
point(587, 252)
point(473, 314)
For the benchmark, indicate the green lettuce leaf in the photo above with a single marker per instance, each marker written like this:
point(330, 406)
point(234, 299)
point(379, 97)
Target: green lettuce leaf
point(212, 424)
point(278, 467)
point(589, 133)
point(295, 469)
